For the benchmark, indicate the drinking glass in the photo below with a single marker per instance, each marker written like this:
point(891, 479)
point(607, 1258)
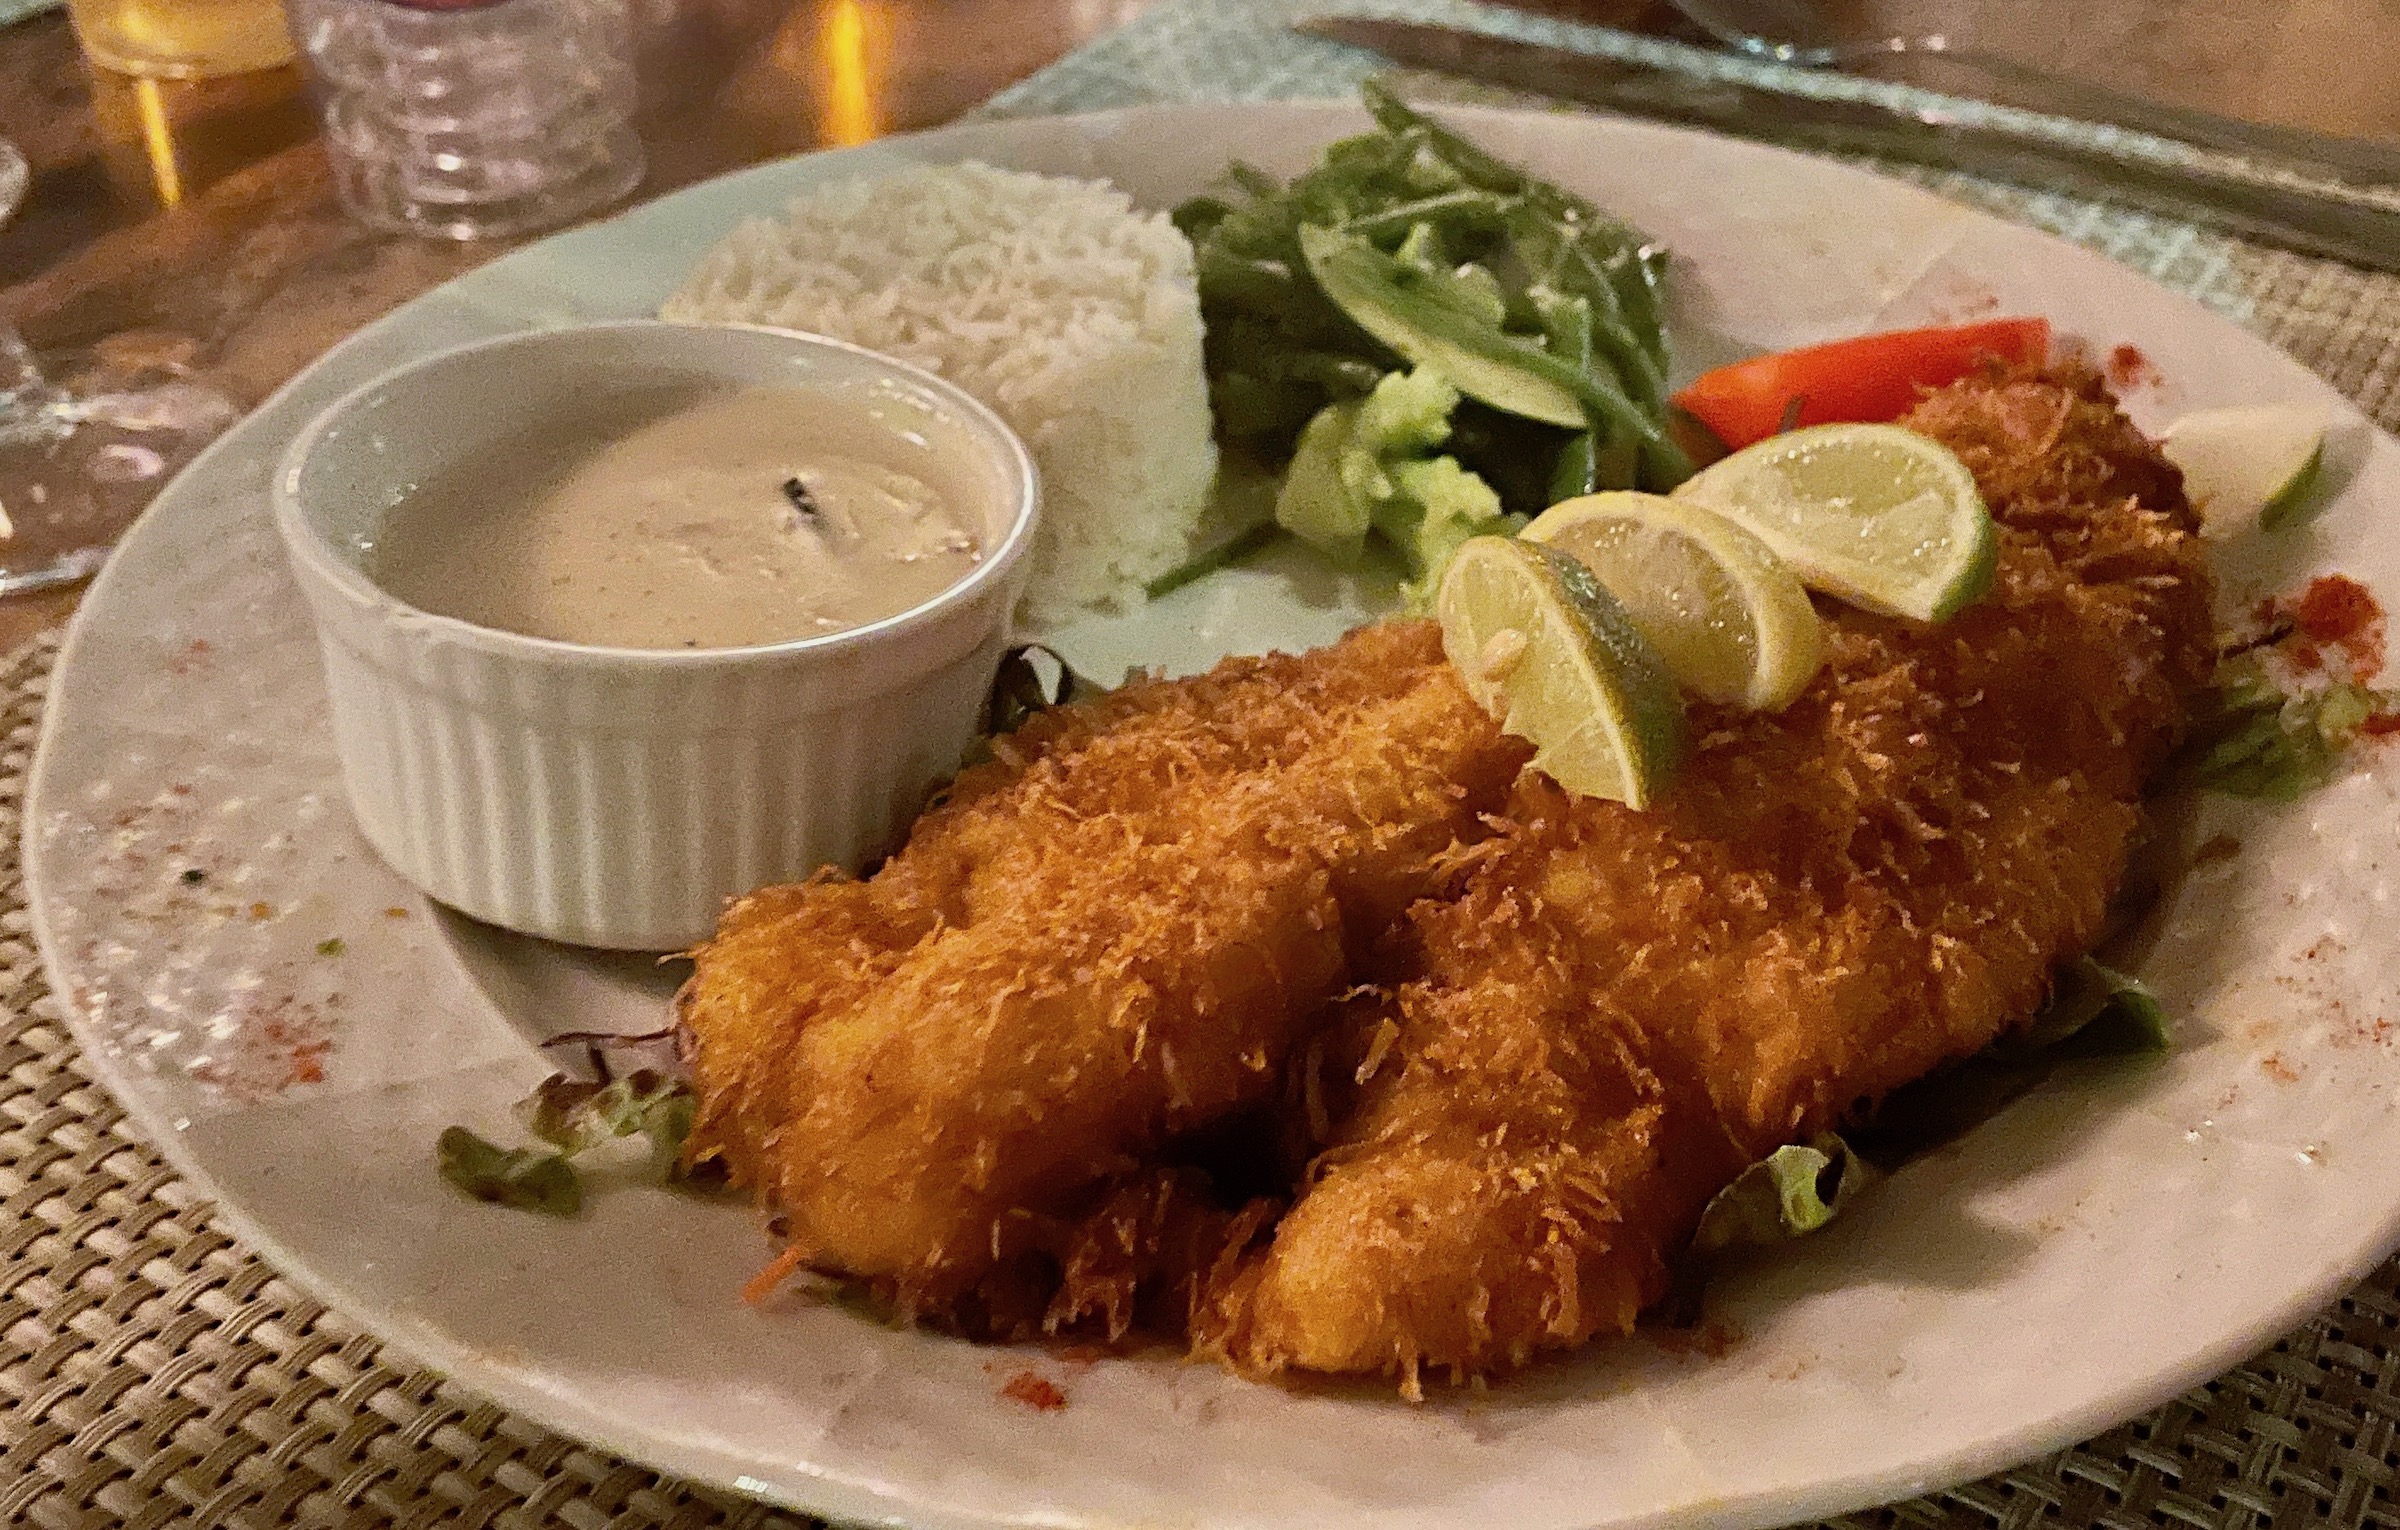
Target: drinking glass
point(471, 119)
point(182, 39)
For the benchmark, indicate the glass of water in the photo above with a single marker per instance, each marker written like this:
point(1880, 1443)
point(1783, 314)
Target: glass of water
point(474, 119)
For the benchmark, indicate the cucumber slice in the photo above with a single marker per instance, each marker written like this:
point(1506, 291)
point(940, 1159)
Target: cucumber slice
point(1381, 296)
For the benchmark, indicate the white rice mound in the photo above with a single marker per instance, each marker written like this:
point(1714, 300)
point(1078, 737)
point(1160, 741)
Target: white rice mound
point(1073, 316)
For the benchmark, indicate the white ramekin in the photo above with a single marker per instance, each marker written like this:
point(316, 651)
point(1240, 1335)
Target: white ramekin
point(617, 796)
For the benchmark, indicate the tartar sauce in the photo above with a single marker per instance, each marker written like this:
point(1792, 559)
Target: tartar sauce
point(756, 515)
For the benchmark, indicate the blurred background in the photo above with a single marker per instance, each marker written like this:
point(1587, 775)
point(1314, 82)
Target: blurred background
point(184, 243)
point(730, 81)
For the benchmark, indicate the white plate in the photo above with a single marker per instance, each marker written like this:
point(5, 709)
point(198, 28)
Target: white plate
point(2106, 1242)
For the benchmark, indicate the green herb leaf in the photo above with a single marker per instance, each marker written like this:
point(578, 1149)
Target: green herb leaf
point(1613, 256)
point(1468, 211)
point(331, 946)
point(1788, 1194)
point(1438, 320)
point(525, 1178)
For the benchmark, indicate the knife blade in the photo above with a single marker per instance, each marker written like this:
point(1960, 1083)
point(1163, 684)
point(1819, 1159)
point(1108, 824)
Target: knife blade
point(2339, 223)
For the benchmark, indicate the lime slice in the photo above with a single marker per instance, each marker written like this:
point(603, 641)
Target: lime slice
point(1730, 620)
point(1883, 517)
point(2252, 465)
point(1546, 650)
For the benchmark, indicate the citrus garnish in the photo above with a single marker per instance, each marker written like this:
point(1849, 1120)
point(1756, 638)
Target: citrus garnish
point(1731, 621)
point(1542, 647)
point(2252, 465)
point(1878, 515)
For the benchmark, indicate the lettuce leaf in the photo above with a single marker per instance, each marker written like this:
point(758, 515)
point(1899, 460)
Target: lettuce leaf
point(2094, 1011)
point(2253, 738)
point(1788, 1194)
point(572, 1117)
point(527, 1179)
point(575, 1116)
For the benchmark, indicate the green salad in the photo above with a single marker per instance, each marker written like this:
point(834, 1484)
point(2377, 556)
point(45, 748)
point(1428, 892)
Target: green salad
point(1431, 344)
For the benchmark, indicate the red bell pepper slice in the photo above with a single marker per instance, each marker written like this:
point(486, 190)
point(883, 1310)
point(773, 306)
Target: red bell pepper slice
point(1869, 380)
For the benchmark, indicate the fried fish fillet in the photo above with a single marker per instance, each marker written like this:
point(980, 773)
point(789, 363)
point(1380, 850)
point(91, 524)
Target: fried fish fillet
point(1625, 1008)
point(1105, 938)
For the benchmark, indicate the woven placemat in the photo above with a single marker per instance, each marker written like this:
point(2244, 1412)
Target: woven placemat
point(153, 1372)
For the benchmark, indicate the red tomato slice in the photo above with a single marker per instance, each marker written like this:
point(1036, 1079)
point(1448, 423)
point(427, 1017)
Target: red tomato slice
point(1869, 380)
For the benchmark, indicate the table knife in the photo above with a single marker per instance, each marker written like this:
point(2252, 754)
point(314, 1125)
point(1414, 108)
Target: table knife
point(2338, 222)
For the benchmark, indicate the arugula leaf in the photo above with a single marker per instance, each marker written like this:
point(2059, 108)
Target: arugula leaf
point(1503, 275)
point(525, 1178)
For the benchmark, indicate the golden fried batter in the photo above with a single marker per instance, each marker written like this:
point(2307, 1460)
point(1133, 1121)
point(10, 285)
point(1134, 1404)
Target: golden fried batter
point(1625, 1008)
point(1522, 1050)
point(1107, 937)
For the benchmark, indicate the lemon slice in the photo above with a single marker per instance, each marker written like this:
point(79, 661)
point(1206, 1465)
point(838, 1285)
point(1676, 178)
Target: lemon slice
point(1546, 650)
point(1880, 516)
point(1731, 621)
point(2252, 465)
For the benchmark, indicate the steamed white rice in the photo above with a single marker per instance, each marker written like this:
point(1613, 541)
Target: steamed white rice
point(1052, 300)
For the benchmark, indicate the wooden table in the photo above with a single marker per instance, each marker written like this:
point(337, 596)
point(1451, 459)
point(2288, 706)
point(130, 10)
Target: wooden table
point(194, 226)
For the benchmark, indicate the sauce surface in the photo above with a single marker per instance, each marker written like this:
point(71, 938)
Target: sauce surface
point(691, 520)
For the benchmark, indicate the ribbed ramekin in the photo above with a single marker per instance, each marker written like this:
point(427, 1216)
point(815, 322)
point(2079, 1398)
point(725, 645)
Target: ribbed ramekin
point(617, 797)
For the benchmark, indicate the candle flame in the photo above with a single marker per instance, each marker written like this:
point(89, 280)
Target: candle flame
point(849, 46)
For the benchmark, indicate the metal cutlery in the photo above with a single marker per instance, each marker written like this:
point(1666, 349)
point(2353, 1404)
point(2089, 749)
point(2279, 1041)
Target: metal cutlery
point(2342, 223)
point(1797, 32)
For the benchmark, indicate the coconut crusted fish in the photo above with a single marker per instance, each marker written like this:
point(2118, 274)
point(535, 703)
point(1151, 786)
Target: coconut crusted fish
point(1625, 1009)
point(1498, 1065)
point(1109, 936)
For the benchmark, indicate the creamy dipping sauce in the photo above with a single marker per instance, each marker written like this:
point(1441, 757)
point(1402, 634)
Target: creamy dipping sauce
point(688, 520)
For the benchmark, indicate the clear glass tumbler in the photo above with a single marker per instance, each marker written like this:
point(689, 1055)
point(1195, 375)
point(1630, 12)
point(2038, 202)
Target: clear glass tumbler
point(473, 119)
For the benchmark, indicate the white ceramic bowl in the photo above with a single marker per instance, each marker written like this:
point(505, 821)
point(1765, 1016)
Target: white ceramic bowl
point(617, 796)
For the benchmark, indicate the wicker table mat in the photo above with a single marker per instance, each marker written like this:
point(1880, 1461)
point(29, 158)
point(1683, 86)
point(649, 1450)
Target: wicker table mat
point(154, 1372)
